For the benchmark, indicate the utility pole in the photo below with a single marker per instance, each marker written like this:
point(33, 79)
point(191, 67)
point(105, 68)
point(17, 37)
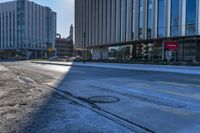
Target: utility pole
point(84, 43)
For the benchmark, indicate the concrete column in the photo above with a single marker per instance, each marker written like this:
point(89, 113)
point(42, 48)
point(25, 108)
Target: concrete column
point(113, 19)
point(33, 24)
point(97, 22)
point(40, 27)
point(104, 21)
point(183, 17)
point(8, 26)
point(16, 45)
point(37, 26)
point(118, 21)
point(84, 20)
point(11, 25)
point(90, 14)
point(76, 24)
point(93, 21)
point(109, 11)
point(87, 23)
point(129, 19)
point(5, 27)
point(123, 20)
point(79, 22)
point(100, 22)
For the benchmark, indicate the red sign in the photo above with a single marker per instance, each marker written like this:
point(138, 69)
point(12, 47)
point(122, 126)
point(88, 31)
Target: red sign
point(171, 45)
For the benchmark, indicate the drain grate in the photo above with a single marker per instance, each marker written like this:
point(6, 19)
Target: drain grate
point(104, 99)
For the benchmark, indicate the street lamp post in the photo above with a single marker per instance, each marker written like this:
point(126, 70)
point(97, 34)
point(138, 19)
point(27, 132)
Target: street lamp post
point(84, 43)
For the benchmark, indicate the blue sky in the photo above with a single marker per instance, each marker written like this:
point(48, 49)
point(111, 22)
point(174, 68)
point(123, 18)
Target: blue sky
point(65, 13)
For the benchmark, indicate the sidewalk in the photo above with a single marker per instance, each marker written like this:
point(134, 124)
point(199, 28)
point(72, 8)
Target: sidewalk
point(158, 68)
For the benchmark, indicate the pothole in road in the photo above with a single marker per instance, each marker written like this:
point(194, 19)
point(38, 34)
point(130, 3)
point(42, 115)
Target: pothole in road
point(104, 99)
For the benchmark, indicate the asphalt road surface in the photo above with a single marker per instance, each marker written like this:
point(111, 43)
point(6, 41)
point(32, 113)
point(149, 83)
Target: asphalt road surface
point(89, 99)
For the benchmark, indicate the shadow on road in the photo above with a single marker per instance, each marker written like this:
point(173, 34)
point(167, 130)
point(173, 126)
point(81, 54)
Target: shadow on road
point(60, 113)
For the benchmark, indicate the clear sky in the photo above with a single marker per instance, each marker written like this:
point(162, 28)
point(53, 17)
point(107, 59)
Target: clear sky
point(65, 13)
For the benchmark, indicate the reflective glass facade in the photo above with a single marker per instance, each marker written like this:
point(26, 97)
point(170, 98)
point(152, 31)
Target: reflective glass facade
point(118, 20)
point(133, 20)
point(191, 17)
point(161, 16)
point(140, 18)
point(149, 18)
point(175, 17)
point(146, 24)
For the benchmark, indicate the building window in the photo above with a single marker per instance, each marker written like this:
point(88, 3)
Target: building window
point(175, 18)
point(191, 17)
point(123, 19)
point(127, 19)
point(120, 52)
point(118, 20)
point(161, 18)
point(149, 17)
point(140, 18)
point(133, 20)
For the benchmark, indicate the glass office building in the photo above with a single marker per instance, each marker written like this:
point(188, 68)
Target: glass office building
point(26, 29)
point(138, 29)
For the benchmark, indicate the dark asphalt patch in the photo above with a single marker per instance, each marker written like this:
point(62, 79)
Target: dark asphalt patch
point(104, 99)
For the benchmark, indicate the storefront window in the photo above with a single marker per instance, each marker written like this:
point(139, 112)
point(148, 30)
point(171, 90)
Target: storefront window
point(120, 52)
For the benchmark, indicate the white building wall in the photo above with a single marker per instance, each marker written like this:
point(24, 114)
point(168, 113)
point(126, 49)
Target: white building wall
point(36, 27)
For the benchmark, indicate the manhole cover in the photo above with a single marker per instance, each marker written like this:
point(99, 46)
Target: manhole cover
point(104, 99)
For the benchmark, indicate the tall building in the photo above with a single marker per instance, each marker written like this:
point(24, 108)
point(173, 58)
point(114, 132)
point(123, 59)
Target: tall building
point(139, 29)
point(64, 46)
point(71, 34)
point(26, 29)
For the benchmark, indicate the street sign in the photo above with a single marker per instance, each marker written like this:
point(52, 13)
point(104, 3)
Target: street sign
point(171, 45)
point(50, 50)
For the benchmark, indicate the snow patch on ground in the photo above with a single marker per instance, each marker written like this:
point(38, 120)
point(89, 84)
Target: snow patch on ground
point(26, 80)
point(2, 69)
point(2, 93)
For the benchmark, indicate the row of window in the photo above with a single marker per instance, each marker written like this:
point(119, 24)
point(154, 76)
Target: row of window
point(175, 26)
point(7, 29)
point(22, 25)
